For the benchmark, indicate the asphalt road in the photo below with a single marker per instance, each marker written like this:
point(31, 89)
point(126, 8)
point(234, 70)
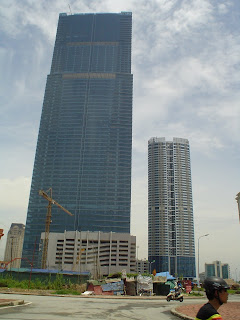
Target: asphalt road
point(57, 308)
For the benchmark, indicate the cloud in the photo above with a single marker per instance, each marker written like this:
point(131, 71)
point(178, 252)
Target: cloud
point(17, 17)
point(224, 7)
point(14, 192)
point(186, 84)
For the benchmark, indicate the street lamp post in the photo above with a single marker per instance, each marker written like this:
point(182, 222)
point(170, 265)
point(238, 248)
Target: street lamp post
point(137, 252)
point(151, 266)
point(205, 235)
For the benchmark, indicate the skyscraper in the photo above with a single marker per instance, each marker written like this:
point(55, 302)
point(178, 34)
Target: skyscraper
point(85, 138)
point(14, 245)
point(170, 208)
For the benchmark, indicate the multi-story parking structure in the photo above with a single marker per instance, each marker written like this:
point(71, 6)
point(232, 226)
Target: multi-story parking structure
point(98, 252)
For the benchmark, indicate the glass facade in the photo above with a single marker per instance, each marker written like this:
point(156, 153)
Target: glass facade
point(170, 208)
point(225, 271)
point(216, 268)
point(210, 270)
point(84, 144)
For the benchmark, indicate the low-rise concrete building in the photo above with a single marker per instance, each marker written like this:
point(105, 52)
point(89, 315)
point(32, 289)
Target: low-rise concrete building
point(142, 266)
point(98, 252)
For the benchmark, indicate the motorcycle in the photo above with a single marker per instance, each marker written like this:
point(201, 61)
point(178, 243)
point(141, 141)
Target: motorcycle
point(175, 295)
point(143, 292)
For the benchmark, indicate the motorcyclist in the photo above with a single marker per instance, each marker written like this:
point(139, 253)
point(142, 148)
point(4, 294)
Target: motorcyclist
point(177, 291)
point(175, 294)
point(216, 291)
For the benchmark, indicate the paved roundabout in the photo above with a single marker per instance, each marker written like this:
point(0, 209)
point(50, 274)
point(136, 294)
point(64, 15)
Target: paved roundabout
point(229, 311)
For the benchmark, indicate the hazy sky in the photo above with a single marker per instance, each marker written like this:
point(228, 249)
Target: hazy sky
point(186, 67)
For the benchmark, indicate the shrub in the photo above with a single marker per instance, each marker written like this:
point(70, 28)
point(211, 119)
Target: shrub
point(195, 293)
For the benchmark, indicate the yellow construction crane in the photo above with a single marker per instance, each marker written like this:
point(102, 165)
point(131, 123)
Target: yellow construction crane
point(48, 221)
point(78, 259)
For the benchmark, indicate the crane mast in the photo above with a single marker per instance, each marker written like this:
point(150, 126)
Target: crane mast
point(48, 222)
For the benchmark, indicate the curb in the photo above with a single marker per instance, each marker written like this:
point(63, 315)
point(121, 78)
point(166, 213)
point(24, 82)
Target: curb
point(96, 296)
point(181, 315)
point(156, 298)
point(11, 303)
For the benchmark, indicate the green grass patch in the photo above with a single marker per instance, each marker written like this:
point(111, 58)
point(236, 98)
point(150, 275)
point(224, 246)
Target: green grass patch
point(233, 291)
point(47, 284)
point(196, 293)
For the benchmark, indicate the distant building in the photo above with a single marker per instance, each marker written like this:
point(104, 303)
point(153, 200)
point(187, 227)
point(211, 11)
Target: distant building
point(98, 252)
point(202, 277)
point(14, 244)
point(218, 269)
point(142, 266)
point(170, 208)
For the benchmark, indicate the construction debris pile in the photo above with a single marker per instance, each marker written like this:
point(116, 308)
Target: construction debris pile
point(106, 287)
point(141, 285)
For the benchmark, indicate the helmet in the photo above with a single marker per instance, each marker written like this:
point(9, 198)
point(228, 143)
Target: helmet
point(215, 283)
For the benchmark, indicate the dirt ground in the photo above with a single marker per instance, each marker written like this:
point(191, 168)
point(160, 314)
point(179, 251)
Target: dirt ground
point(30, 291)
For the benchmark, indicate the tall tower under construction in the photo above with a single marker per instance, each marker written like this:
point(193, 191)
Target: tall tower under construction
point(84, 145)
